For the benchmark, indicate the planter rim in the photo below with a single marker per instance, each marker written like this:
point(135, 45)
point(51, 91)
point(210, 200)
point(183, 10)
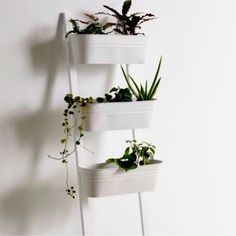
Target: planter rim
point(109, 49)
point(111, 172)
point(111, 167)
point(118, 115)
point(108, 35)
point(121, 107)
point(130, 102)
point(105, 182)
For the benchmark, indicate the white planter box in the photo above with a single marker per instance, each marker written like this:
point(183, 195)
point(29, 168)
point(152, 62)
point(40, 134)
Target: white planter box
point(108, 49)
point(119, 115)
point(101, 181)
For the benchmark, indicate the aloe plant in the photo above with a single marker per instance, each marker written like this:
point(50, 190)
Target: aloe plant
point(128, 24)
point(142, 92)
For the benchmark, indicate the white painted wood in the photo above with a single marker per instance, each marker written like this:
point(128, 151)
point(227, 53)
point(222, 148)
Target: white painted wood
point(73, 81)
point(139, 193)
point(95, 181)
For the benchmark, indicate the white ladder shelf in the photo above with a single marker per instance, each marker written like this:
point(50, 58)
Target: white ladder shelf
point(74, 88)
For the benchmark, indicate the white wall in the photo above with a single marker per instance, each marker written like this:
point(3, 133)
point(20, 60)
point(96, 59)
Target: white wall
point(195, 125)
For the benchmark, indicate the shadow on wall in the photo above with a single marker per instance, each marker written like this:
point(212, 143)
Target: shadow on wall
point(33, 199)
point(21, 205)
point(31, 204)
point(34, 130)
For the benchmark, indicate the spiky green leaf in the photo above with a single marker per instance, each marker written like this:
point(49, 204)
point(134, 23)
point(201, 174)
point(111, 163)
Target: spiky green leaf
point(126, 7)
point(142, 92)
point(128, 82)
point(135, 84)
point(117, 14)
point(146, 89)
point(155, 78)
point(152, 93)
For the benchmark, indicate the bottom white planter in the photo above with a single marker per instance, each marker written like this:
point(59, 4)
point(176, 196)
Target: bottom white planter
point(119, 115)
point(103, 180)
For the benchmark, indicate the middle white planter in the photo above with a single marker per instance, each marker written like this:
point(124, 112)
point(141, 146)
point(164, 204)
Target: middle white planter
point(118, 115)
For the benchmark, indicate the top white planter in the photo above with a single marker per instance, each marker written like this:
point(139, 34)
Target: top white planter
point(108, 49)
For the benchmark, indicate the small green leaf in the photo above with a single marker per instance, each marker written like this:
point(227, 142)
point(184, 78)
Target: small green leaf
point(152, 150)
point(141, 163)
point(108, 97)
point(63, 140)
point(114, 89)
point(111, 160)
point(100, 100)
point(127, 150)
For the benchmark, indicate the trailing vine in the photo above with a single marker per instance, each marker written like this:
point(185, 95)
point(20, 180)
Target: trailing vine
point(75, 106)
point(73, 119)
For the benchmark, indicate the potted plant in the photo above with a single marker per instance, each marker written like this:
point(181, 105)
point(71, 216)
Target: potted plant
point(116, 110)
point(134, 114)
point(75, 117)
point(135, 171)
point(95, 44)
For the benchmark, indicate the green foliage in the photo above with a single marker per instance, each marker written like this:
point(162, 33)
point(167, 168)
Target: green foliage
point(142, 92)
point(92, 26)
point(116, 94)
point(74, 118)
point(71, 191)
point(135, 154)
point(127, 24)
point(74, 108)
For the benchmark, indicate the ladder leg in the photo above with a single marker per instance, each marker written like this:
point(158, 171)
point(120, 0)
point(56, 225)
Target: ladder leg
point(141, 212)
point(139, 194)
point(139, 198)
point(72, 75)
